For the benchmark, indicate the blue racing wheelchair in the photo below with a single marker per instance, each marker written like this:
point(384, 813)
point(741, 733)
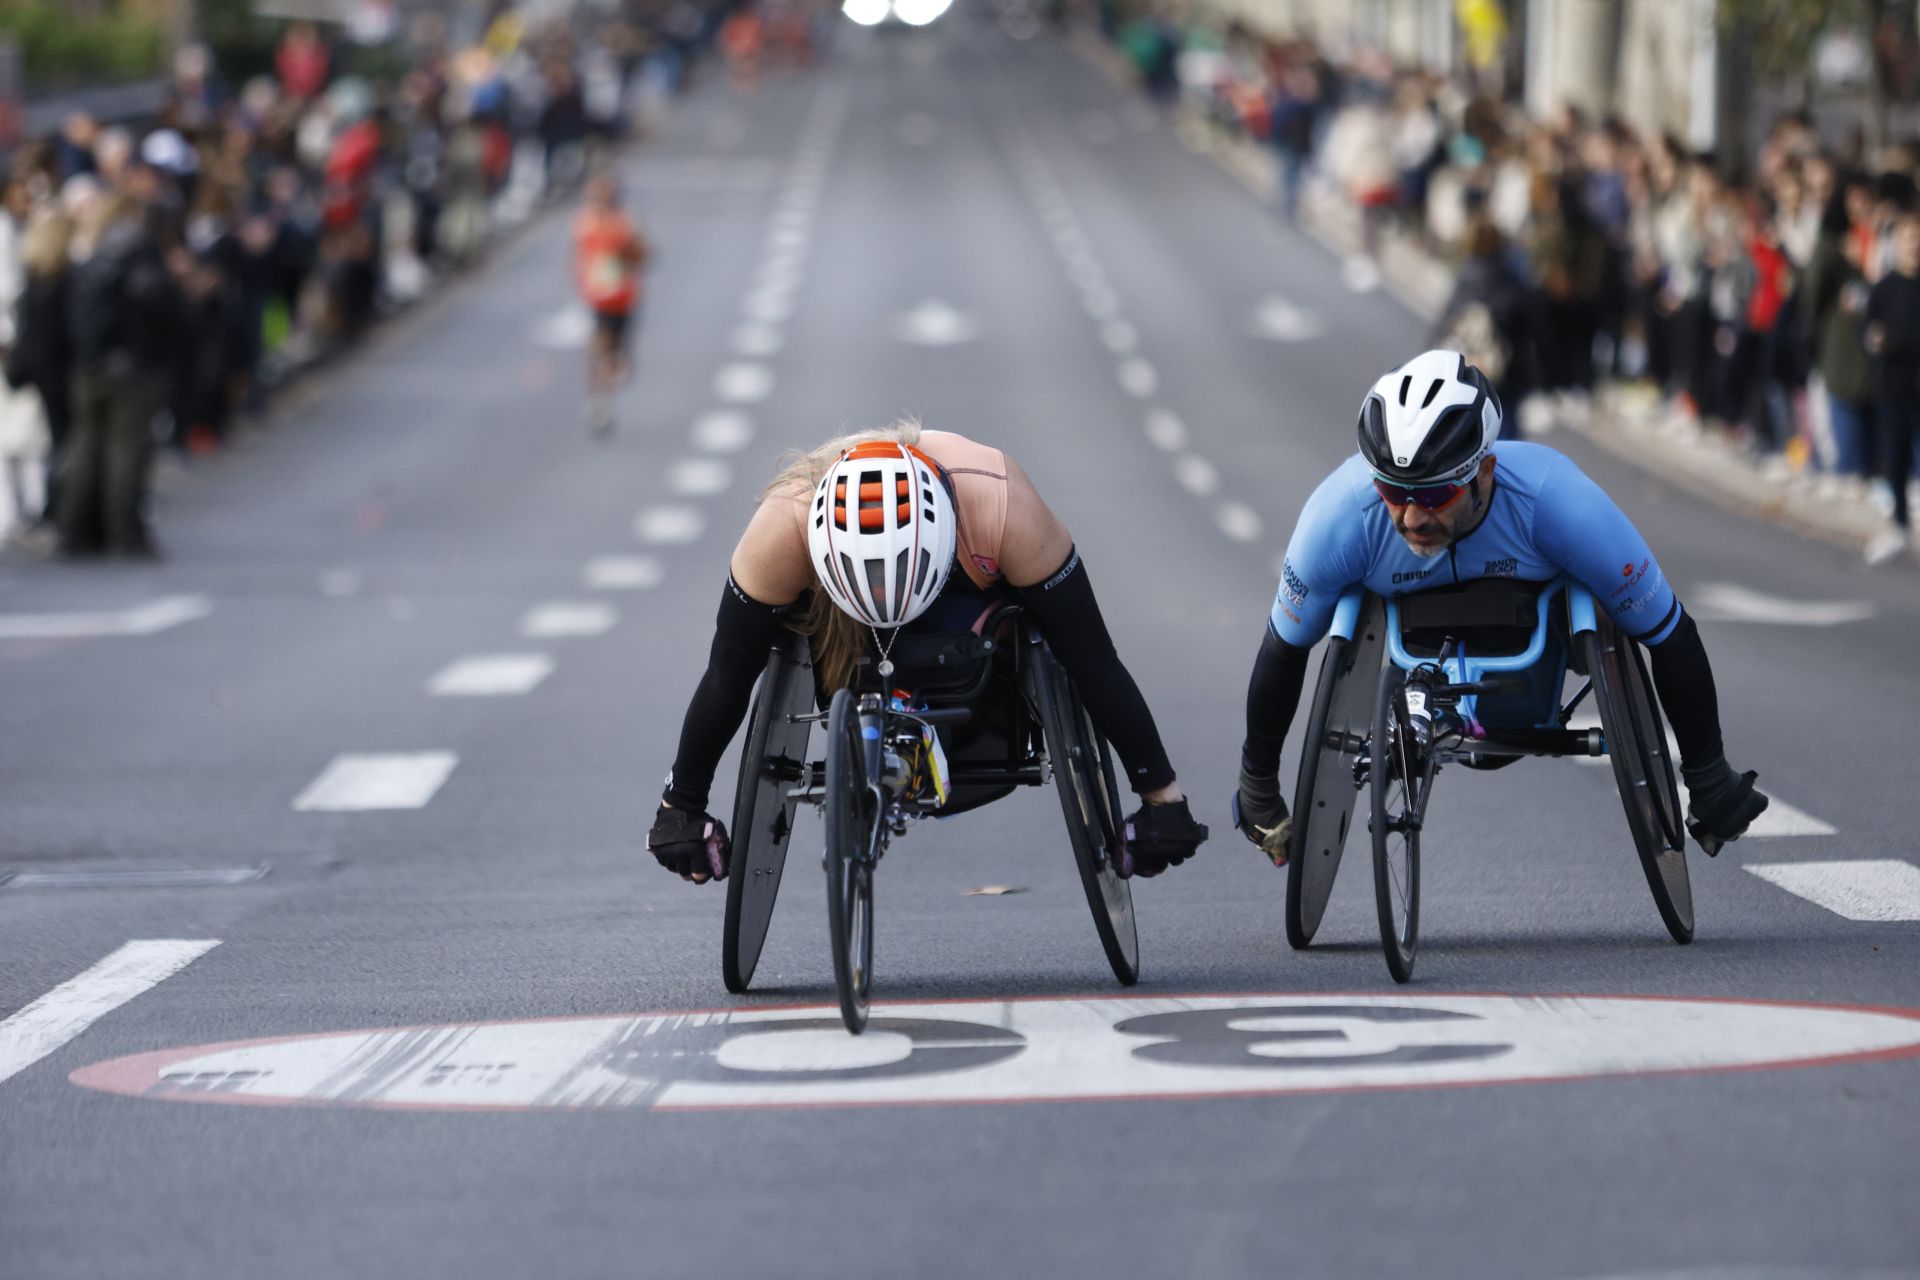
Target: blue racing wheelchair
point(1474, 675)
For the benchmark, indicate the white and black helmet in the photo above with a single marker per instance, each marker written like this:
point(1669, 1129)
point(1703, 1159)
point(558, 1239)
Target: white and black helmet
point(1430, 421)
point(882, 532)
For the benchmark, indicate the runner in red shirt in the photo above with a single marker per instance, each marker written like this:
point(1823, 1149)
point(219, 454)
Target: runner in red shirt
point(609, 254)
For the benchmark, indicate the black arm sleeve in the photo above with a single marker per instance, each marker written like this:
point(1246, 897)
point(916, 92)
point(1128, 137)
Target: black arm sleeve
point(743, 633)
point(1684, 679)
point(1273, 695)
point(1070, 619)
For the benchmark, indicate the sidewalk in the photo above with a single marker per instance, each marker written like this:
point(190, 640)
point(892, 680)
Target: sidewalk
point(1628, 422)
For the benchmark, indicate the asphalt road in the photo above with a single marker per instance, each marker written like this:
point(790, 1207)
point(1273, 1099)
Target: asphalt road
point(1087, 293)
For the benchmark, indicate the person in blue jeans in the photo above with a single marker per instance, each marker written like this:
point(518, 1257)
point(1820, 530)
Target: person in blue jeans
point(1428, 502)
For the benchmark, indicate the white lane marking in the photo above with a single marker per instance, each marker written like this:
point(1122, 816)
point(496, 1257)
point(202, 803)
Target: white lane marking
point(1119, 336)
point(935, 323)
point(743, 382)
point(757, 340)
point(1283, 321)
point(1780, 820)
point(1730, 602)
point(1137, 377)
point(1012, 1050)
point(360, 781)
point(722, 431)
point(1166, 431)
point(622, 573)
point(564, 330)
point(1239, 521)
point(699, 477)
point(130, 878)
point(788, 237)
point(1195, 474)
point(668, 525)
point(780, 272)
point(1869, 889)
point(339, 583)
point(146, 619)
point(1101, 304)
point(491, 675)
point(1086, 275)
point(568, 618)
point(768, 306)
point(76, 1004)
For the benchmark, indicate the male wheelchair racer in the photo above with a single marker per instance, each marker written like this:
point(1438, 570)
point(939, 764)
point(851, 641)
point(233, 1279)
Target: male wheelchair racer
point(960, 720)
point(1470, 674)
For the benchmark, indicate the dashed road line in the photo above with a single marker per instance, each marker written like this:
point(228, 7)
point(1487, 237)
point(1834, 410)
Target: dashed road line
point(699, 477)
point(669, 525)
point(1196, 475)
point(76, 1004)
point(568, 618)
point(1239, 521)
point(622, 573)
point(366, 781)
point(1166, 431)
point(722, 431)
point(146, 619)
point(1877, 890)
point(758, 339)
point(1137, 378)
point(491, 675)
point(743, 382)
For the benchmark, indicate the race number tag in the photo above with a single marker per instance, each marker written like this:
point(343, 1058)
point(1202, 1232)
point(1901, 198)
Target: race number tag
point(936, 763)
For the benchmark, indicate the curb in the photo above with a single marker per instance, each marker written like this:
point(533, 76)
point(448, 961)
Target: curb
point(1652, 436)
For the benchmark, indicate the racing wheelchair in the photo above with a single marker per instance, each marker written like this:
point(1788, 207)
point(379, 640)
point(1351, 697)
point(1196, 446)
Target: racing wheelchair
point(1471, 674)
point(948, 722)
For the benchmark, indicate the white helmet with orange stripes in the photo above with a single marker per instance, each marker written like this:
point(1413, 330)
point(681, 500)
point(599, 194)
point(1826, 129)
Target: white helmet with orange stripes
point(882, 532)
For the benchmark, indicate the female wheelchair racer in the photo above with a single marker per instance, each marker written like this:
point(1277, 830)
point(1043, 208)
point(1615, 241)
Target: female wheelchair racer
point(869, 528)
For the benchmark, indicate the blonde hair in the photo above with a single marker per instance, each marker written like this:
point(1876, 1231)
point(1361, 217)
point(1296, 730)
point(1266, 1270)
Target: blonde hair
point(43, 246)
point(834, 637)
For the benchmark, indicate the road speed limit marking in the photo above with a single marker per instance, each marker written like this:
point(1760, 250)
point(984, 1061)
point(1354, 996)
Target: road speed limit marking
point(1057, 1049)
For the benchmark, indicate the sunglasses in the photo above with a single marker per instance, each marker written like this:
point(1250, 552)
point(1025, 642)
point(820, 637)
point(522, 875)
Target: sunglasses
point(1434, 497)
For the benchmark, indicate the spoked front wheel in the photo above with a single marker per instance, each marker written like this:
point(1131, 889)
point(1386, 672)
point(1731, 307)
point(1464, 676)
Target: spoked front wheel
point(851, 812)
point(1398, 782)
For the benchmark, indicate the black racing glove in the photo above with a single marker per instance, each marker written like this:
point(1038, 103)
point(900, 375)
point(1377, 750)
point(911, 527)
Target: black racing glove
point(689, 843)
point(1159, 836)
point(1721, 804)
point(1261, 815)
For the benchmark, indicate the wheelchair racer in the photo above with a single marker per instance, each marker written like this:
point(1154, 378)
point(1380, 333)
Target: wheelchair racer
point(869, 529)
point(1430, 501)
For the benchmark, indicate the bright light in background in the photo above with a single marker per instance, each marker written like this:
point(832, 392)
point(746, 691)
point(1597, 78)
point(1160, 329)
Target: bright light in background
point(918, 13)
point(865, 12)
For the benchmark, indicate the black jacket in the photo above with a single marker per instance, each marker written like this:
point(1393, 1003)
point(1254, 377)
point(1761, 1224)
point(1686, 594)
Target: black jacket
point(125, 306)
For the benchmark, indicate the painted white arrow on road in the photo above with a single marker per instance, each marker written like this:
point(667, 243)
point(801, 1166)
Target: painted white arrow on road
point(141, 620)
point(565, 330)
point(935, 324)
point(1283, 321)
point(1729, 602)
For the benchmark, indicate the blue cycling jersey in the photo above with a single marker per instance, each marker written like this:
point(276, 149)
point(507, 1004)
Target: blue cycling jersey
point(1545, 518)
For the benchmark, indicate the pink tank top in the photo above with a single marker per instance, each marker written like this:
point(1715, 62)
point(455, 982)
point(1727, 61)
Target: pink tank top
point(979, 475)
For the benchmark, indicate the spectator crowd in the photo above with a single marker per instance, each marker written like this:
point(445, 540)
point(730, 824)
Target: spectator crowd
point(1780, 312)
point(159, 278)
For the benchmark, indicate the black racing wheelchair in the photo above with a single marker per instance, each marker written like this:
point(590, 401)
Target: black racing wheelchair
point(958, 720)
point(1474, 675)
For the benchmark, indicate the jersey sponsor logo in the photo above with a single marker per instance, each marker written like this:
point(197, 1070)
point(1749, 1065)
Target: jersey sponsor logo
point(1505, 568)
point(1634, 577)
point(1411, 575)
point(991, 567)
point(1066, 570)
point(1059, 1049)
point(1293, 588)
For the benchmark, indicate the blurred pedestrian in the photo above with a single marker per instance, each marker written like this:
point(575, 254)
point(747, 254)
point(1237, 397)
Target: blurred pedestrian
point(39, 362)
point(1836, 294)
point(609, 253)
point(1893, 337)
point(1489, 317)
point(124, 318)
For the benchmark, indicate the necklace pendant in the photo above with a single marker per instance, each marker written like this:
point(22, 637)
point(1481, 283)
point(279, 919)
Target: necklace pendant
point(885, 668)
